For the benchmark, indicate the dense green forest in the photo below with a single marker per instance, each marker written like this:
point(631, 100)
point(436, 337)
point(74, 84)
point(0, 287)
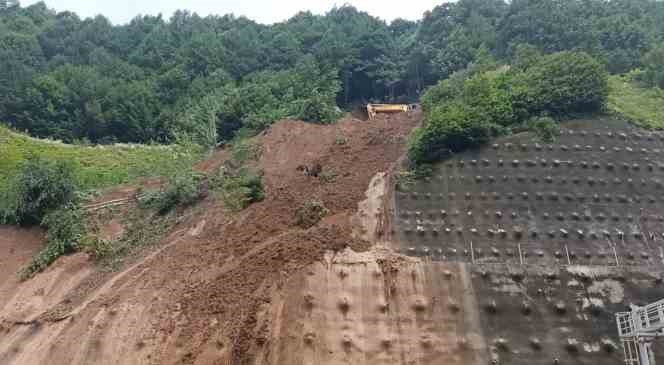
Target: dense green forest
point(214, 77)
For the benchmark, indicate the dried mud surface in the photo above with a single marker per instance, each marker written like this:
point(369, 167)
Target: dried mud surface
point(202, 296)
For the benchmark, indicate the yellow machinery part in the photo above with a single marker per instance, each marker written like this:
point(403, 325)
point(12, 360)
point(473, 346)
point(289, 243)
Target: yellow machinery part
point(373, 109)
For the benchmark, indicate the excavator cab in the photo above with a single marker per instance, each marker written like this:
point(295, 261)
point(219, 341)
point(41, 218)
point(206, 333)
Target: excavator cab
point(373, 109)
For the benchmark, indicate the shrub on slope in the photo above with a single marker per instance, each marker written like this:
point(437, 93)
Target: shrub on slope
point(470, 108)
point(39, 187)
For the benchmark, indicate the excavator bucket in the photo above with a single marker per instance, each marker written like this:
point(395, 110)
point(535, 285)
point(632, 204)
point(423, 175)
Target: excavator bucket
point(373, 109)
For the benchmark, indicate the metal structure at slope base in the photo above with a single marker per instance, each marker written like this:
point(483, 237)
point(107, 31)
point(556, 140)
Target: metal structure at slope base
point(637, 329)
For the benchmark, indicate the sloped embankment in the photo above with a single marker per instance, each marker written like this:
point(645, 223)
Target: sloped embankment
point(204, 296)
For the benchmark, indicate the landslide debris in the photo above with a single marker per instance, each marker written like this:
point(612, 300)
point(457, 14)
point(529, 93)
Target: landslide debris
point(197, 298)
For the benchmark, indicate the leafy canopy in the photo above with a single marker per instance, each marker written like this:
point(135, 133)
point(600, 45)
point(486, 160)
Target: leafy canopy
point(477, 104)
point(40, 187)
point(75, 79)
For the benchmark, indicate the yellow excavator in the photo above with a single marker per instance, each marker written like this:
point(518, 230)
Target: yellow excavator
point(373, 109)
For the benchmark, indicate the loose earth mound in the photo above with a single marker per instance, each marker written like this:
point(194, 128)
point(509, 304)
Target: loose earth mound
point(199, 297)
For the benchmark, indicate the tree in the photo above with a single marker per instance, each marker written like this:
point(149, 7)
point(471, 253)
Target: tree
point(155, 50)
point(205, 53)
point(561, 83)
point(450, 35)
point(56, 34)
point(66, 104)
point(20, 59)
point(622, 40)
point(474, 105)
point(653, 64)
point(131, 111)
point(447, 129)
point(73, 78)
point(282, 50)
point(200, 119)
point(549, 25)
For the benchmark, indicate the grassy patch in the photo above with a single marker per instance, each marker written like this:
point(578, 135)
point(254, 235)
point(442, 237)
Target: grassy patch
point(94, 167)
point(640, 105)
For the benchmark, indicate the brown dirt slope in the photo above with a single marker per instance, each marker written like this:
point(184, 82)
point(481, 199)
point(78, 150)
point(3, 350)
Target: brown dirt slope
point(375, 308)
point(17, 246)
point(197, 299)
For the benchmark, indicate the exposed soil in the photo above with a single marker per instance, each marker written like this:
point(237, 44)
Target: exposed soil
point(198, 299)
point(213, 162)
point(264, 244)
point(17, 246)
point(375, 307)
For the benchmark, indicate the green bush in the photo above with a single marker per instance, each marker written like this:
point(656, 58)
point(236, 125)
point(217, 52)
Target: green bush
point(39, 187)
point(407, 177)
point(310, 213)
point(318, 109)
point(340, 140)
point(545, 128)
point(489, 95)
point(448, 129)
point(327, 176)
point(443, 91)
point(437, 95)
point(560, 84)
point(461, 114)
point(66, 228)
point(238, 188)
point(472, 106)
point(183, 189)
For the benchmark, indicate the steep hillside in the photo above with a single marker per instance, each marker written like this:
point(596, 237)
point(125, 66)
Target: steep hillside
point(17, 246)
point(519, 252)
point(202, 295)
point(557, 237)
